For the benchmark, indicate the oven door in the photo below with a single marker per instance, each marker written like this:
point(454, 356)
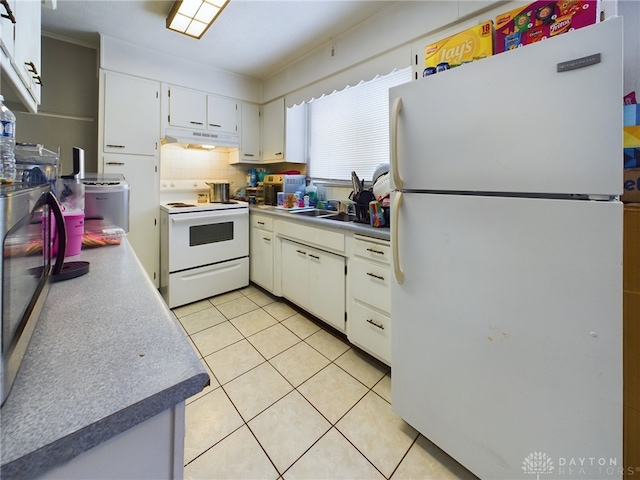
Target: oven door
point(203, 238)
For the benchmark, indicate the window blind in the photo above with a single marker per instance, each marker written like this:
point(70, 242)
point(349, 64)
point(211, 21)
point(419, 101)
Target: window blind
point(349, 129)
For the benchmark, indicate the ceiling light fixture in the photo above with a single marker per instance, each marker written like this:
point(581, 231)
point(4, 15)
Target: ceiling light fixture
point(194, 17)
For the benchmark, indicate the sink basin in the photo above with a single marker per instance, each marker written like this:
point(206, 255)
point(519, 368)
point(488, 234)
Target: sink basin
point(313, 213)
point(341, 217)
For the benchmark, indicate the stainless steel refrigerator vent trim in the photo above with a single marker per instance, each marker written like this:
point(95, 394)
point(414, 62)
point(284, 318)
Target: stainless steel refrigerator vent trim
point(578, 63)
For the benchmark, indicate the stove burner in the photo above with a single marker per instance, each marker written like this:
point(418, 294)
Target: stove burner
point(228, 202)
point(179, 205)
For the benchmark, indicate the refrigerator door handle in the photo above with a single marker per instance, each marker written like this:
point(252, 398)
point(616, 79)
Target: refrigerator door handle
point(399, 274)
point(395, 114)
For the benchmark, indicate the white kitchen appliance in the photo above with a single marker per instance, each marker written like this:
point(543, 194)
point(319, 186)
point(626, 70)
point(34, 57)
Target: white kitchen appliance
point(106, 202)
point(204, 246)
point(507, 240)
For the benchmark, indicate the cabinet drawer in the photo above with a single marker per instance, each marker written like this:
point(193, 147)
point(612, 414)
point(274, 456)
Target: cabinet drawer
point(262, 221)
point(371, 283)
point(371, 331)
point(379, 252)
point(319, 237)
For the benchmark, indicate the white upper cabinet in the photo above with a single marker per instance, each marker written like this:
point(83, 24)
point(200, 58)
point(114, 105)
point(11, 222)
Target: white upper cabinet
point(250, 132)
point(27, 46)
point(20, 58)
point(7, 10)
point(222, 114)
point(131, 115)
point(295, 138)
point(187, 108)
point(273, 131)
point(284, 132)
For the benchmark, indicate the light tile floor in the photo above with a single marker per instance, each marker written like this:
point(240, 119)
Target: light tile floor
point(291, 399)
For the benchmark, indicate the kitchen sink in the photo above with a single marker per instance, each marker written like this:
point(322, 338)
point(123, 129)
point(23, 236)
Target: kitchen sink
point(341, 217)
point(326, 214)
point(313, 213)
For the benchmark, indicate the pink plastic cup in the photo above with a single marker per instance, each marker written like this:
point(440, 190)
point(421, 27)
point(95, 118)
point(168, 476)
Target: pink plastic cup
point(75, 229)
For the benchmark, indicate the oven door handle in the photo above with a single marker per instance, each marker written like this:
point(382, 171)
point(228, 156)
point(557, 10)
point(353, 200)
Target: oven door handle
point(212, 216)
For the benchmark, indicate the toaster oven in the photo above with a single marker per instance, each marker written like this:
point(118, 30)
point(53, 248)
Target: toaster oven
point(274, 183)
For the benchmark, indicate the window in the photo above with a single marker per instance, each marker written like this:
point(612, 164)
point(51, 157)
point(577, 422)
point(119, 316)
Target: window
point(349, 130)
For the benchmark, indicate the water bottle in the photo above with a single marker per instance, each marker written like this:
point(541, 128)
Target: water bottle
point(312, 191)
point(7, 144)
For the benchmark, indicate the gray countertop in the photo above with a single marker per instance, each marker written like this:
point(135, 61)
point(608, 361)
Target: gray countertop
point(382, 233)
point(106, 355)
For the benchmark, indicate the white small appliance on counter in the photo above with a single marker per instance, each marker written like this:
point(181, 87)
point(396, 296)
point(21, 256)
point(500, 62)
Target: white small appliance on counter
point(106, 202)
point(274, 183)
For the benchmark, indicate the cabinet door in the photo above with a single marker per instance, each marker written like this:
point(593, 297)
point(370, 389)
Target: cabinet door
point(296, 134)
point(7, 27)
point(261, 258)
point(273, 130)
point(142, 174)
point(327, 287)
point(250, 133)
point(131, 115)
point(187, 108)
point(295, 273)
point(222, 114)
point(371, 283)
point(27, 45)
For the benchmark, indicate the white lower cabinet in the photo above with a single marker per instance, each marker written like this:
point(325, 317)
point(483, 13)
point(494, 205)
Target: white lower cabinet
point(141, 171)
point(369, 321)
point(151, 449)
point(315, 280)
point(261, 245)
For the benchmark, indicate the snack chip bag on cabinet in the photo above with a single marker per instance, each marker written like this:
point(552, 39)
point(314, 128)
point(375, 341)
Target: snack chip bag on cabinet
point(541, 20)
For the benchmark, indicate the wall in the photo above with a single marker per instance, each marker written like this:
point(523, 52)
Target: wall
point(67, 116)
point(630, 10)
point(123, 57)
point(392, 38)
point(375, 47)
point(177, 163)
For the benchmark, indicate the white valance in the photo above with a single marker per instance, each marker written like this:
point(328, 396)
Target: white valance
point(369, 69)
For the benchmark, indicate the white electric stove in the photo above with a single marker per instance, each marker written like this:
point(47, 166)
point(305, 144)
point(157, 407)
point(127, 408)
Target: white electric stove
point(204, 246)
point(184, 196)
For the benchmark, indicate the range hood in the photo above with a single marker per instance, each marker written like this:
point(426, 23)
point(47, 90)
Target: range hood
point(193, 137)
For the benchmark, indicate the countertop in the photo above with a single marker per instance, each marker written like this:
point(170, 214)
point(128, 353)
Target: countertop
point(382, 233)
point(106, 355)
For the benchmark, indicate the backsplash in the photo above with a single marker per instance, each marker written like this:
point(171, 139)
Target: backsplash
point(177, 163)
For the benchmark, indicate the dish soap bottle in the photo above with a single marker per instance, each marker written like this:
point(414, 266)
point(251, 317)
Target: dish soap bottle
point(312, 191)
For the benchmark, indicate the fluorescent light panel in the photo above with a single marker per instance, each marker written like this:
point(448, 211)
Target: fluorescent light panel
point(194, 17)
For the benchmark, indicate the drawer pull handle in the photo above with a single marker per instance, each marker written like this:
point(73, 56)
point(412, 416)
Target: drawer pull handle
point(301, 252)
point(278, 153)
point(249, 155)
point(375, 276)
point(109, 145)
point(115, 163)
point(314, 256)
point(195, 123)
point(260, 223)
point(375, 324)
point(266, 239)
point(375, 251)
point(215, 125)
point(9, 13)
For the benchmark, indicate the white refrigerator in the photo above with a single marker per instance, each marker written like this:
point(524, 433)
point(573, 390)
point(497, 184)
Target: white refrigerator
point(507, 241)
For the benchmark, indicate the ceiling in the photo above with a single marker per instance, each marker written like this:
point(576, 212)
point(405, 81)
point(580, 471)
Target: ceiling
point(257, 38)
